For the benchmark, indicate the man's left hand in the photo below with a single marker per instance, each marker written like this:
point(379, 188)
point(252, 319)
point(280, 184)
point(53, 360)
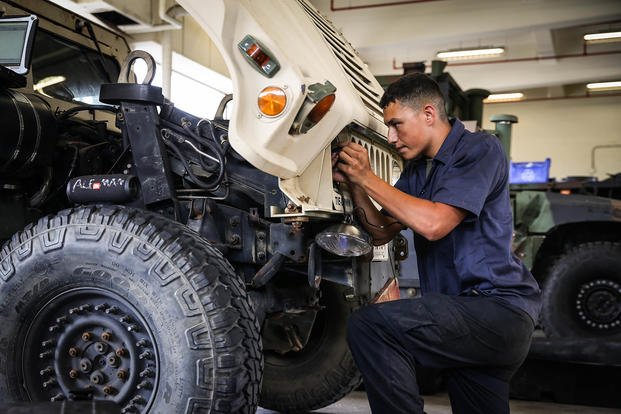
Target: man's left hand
point(353, 162)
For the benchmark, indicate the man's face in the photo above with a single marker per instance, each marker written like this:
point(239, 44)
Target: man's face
point(406, 130)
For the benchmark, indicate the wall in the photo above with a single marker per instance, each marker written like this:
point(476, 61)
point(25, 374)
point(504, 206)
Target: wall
point(190, 41)
point(565, 130)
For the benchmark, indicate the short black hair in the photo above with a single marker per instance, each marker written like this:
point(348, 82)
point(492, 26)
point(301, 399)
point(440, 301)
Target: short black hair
point(415, 90)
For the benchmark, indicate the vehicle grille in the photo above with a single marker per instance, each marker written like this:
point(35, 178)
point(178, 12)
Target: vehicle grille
point(354, 67)
point(383, 163)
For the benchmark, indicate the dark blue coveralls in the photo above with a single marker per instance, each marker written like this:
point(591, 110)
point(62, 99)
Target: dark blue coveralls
point(475, 317)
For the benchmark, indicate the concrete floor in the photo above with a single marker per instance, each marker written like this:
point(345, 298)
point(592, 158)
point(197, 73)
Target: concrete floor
point(356, 403)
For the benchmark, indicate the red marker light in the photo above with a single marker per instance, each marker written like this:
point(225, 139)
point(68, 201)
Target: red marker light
point(260, 58)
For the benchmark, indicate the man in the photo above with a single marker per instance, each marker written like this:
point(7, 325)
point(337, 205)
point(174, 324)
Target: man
point(479, 303)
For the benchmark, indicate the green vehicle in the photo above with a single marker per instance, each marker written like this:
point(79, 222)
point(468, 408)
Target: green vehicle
point(569, 234)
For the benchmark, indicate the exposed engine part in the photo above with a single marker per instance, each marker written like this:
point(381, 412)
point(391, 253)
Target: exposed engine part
point(29, 133)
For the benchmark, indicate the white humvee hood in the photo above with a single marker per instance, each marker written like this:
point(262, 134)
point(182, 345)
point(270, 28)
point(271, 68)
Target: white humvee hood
point(309, 51)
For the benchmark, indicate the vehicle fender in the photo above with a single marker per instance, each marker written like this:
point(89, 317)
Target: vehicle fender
point(538, 212)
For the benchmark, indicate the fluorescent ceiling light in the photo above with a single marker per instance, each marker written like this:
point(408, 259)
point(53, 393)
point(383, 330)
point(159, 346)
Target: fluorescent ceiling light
point(504, 97)
point(470, 53)
point(603, 37)
point(604, 86)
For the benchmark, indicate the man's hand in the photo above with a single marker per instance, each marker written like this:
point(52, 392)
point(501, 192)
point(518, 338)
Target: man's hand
point(352, 164)
point(337, 175)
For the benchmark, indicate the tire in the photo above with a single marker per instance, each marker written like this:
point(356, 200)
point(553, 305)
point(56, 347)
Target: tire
point(322, 372)
point(124, 305)
point(582, 293)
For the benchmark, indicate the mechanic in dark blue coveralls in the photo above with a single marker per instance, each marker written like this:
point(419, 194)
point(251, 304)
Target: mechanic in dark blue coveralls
point(479, 303)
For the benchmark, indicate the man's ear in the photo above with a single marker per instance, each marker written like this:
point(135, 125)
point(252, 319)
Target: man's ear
point(430, 112)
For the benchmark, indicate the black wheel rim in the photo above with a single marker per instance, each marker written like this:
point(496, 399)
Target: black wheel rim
point(598, 304)
point(90, 343)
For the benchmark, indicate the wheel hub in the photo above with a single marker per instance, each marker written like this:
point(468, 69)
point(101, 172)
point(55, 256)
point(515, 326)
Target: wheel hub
point(91, 344)
point(599, 304)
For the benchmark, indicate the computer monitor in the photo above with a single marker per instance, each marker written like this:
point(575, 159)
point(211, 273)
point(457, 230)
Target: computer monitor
point(16, 40)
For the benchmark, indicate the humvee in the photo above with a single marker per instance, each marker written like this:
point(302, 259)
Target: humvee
point(171, 263)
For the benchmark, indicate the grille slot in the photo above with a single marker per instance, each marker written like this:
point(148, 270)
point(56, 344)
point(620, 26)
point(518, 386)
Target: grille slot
point(354, 67)
point(381, 160)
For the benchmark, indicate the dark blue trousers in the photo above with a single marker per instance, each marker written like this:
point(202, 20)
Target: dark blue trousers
point(478, 341)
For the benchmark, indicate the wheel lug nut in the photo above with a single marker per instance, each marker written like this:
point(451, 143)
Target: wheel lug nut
point(48, 344)
point(120, 352)
point(87, 336)
point(49, 383)
point(112, 360)
point(61, 320)
point(53, 328)
point(73, 311)
point(138, 400)
point(100, 347)
point(125, 319)
point(101, 307)
point(112, 309)
point(74, 351)
point(45, 354)
point(106, 336)
point(132, 328)
point(146, 373)
point(131, 408)
point(57, 397)
point(86, 365)
point(121, 374)
point(108, 390)
point(145, 355)
point(47, 370)
point(142, 343)
point(144, 385)
point(97, 378)
point(73, 374)
point(85, 307)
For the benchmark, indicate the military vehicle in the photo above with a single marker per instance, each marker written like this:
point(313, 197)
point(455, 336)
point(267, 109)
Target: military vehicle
point(569, 234)
point(175, 264)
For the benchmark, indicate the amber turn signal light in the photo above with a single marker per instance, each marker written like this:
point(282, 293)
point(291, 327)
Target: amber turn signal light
point(272, 101)
point(321, 108)
point(317, 104)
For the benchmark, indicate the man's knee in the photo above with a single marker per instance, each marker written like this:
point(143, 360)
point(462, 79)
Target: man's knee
point(356, 325)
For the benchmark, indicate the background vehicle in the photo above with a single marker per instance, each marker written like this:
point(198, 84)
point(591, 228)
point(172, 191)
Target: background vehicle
point(171, 265)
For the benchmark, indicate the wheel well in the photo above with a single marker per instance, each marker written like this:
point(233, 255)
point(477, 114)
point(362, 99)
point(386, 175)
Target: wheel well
point(565, 236)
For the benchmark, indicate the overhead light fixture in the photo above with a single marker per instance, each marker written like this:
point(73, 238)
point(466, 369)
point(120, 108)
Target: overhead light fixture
point(603, 37)
point(604, 86)
point(504, 97)
point(470, 53)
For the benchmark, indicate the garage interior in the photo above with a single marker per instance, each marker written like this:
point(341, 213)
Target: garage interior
point(563, 87)
point(545, 58)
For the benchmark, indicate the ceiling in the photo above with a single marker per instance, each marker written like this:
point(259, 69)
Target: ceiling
point(545, 53)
